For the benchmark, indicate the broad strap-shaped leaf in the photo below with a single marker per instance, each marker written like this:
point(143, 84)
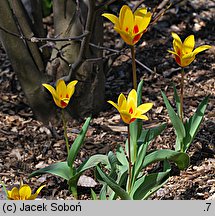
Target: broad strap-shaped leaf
point(122, 177)
point(194, 123)
point(139, 162)
point(176, 121)
point(77, 143)
point(149, 134)
point(135, 127)
point(148, 184)
point(93, 194)
point(60, 169)
point(177, 99)
point(120, 154)
point(181, 159)
point(113, 185)
point(93, 161)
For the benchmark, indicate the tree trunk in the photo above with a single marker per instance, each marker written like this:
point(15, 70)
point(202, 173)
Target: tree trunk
point(70, 21)
point(30, 63)
point(25, 58)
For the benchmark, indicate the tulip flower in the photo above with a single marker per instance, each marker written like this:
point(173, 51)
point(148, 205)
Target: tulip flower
point(23, 193)
point(63, 93)
point(128, 109)
point(183, 52)
point(129, 25)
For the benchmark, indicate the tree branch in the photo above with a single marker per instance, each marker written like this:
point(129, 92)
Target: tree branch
point(85, 42)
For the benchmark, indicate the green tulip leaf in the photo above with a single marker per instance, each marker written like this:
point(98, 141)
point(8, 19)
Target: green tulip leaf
point(181, 159)
point(120, 154)
point(93, 194)
point(193, 124)
point(177, 99)
point(113, 185)
point(176, 121)
point(139, 162)
point(74, 150)
point(92, 162)
point(150, 134)
point(60, 169)
point(148, 184)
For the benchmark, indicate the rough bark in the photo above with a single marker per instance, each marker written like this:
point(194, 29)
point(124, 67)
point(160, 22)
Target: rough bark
point(25, 59)
point(30, 63)
point(70, 21)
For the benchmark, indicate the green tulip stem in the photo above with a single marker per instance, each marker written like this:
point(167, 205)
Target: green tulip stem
point(134, 70)
point(65, 130)
point(129, 161)
point(182, 94)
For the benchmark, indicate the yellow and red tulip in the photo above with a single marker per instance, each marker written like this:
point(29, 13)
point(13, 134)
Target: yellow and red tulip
point(23, 193)
point(128, 109)
point(63, 92)
point(129, 25)
point(183, 52)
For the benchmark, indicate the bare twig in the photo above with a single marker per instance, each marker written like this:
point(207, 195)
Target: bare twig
point(85, 42)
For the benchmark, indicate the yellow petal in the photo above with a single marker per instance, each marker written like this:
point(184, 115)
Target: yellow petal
point(24, 192)
point(143, 22)
point(188, 44)
point(13, 194)
point(144, 117)
point(51, 89)
point(126, 19)
point(201, 48)
point(172, 52)
point(34, 196)
point(140, 12)
point(177, 44)
point(132, 96)
point(121, 99)
point(71, 88)
point(61, 89)
point(112, 18)
point(143, 108)
point(125, 36)
point(114, 104)
point(185, 62)
point(54, 94)
point(126, 117)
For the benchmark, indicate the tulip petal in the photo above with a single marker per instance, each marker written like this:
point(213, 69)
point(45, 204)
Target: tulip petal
point(126, 19)
point(177, 44)
point(34, 196)
point(125, 36)
point(132, 96)
point(143, 108)
point(126, 117)
point(121, 100)
point(51, 89)
point(140, 12)
point(143, 22)
point(144, 117)
point(71, 88)
point(61, 89)
point(114, 104)
point(114, 19)
point(186, 61)
point(13, 194)
point(172, 52)
point(24, 192)
point(54, 94)
point(188, 44)
point(201, 48)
